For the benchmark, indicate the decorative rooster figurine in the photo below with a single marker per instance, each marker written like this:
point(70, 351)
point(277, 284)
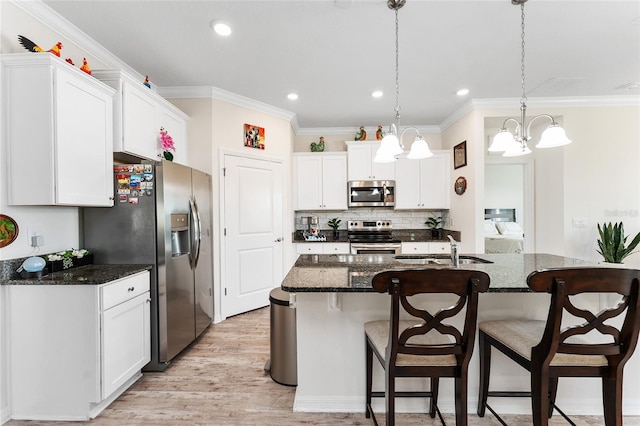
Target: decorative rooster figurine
point(32, 47)
point(361, 135)
point(85, 66)
point(379, 133)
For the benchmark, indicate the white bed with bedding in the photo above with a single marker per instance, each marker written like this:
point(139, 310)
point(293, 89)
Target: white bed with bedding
point(501, 233)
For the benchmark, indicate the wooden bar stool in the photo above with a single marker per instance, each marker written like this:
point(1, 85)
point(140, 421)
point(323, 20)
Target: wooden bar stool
point(423, 346)
point(550, 352)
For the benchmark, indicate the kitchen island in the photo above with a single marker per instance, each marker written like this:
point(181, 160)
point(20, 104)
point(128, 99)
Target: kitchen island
point(333, 298)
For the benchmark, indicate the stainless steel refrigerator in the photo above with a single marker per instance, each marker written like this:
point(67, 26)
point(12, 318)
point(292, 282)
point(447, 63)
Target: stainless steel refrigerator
point(161, 216)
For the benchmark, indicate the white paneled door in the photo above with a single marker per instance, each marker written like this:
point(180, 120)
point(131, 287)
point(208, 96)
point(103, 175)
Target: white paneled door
point(253, 233)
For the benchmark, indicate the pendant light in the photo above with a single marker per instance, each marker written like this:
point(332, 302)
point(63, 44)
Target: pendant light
point(516, 145)
point(391, 146)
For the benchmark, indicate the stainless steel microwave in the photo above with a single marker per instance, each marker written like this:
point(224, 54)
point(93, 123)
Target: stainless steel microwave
point(372, 193)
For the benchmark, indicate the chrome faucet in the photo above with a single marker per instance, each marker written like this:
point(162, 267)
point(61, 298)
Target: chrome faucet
point(455, 257)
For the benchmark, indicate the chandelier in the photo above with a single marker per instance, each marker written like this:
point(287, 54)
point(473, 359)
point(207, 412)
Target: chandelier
point(515, 145)
point(391, 145)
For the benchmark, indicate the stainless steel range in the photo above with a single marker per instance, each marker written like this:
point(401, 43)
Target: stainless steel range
point(372, 237)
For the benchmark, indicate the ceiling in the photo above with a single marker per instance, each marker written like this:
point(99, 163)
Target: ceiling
point(335, 53)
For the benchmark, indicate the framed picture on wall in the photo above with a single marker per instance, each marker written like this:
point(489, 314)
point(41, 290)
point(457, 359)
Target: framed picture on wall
point(253, 136)
point(460, 155)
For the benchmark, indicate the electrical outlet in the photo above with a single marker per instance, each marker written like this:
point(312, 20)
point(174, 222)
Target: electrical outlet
point(32, 233)
point(579, 222)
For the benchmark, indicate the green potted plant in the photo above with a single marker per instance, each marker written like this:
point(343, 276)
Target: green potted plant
point(612, 242)
point(435, 224)
point(335, 224)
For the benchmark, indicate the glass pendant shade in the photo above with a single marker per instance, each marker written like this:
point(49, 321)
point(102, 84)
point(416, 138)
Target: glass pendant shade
point(502, 141)
point(516, 149)
point(389, 148)
point(553, 136)
point(419, 149)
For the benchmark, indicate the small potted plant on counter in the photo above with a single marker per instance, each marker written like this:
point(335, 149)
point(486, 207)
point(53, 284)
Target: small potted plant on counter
point(612, 242)
point(435, 224)
point(335, 224)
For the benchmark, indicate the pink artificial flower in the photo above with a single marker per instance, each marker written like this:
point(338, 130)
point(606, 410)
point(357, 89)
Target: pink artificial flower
point(167, 140)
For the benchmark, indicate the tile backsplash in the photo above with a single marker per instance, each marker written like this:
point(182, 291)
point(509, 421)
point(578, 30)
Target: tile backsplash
point(400, 219)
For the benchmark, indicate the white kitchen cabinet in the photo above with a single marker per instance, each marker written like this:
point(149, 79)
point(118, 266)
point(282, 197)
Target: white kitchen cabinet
point(426, 248)
point(423, 184)
point(59, 133)
point(336, 248)
point(320, 181)
point(75, 348)
point(322, 248)
point(139, 113)
point(360, 162)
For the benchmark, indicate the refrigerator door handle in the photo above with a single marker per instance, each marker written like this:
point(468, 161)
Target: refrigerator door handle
point(195, 243)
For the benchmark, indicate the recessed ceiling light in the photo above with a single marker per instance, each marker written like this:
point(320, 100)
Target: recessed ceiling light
point(377, 94)
point(220, 27)
point(462, 92)
point(292, 96)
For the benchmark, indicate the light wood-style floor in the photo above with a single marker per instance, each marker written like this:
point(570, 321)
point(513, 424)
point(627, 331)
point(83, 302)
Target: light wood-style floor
point(220, 380)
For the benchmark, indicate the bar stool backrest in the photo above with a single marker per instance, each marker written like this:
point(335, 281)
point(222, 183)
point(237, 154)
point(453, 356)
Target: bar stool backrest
point(401, 284)
point(567, 282)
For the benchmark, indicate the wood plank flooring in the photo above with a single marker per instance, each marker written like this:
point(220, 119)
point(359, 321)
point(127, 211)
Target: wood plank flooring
point(220, 380)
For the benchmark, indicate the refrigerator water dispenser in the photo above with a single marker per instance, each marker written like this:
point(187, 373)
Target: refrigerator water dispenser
point(179, 234)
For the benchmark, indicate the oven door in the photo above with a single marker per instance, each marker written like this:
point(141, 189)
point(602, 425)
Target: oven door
point(376, 248)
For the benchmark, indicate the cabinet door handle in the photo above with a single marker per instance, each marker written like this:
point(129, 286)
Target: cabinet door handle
point(131, 288)
point(148, 300)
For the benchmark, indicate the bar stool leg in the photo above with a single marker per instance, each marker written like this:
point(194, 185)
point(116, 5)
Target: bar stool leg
point(369, 374)
point(390, 396)
point(461, 400)
point(485, 367)
point(612, 399)
point(435, 382)
point(553, 391)
point(539, 396)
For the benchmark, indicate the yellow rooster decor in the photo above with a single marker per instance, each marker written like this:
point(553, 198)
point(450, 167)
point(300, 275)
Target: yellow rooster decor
point(32, 47)
point(85, 66)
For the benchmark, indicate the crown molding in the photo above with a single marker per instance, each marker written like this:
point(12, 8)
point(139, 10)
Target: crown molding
point(514, 103)
point(48, 17)
point(226, 96)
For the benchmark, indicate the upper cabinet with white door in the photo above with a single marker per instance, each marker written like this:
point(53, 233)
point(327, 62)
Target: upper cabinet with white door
point(59, 133)
point(139, 114)
point(423, 184)
point(320, 181)
point(360, 162)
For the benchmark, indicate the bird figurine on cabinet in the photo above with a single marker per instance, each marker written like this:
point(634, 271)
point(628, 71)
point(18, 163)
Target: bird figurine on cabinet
point(318, 147)
point(85, 66)
point(146, 81)
point(361, 135)
point(70, 61)
point(379, 134)
point(32, 47)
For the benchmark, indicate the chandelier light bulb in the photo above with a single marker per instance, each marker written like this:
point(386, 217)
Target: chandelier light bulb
point(501, 141)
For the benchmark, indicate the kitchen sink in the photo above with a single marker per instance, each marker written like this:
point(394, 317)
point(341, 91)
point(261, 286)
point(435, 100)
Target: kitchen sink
point(438, 260)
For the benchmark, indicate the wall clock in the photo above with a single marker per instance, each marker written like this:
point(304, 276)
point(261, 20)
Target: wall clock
point(460, 186)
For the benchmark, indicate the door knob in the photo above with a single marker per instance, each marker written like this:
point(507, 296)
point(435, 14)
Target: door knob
point(278, 239)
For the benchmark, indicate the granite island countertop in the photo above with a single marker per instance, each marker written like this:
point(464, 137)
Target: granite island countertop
point(353, 273)
point(83, 275)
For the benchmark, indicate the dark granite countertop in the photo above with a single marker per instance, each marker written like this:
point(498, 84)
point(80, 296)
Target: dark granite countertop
point(83, 275)
point(353, 273)
point(404, 235)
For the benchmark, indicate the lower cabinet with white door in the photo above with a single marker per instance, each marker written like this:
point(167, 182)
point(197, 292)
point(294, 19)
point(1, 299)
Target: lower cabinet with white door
point(322, 248)
point(432, 247)
point(75, 347)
